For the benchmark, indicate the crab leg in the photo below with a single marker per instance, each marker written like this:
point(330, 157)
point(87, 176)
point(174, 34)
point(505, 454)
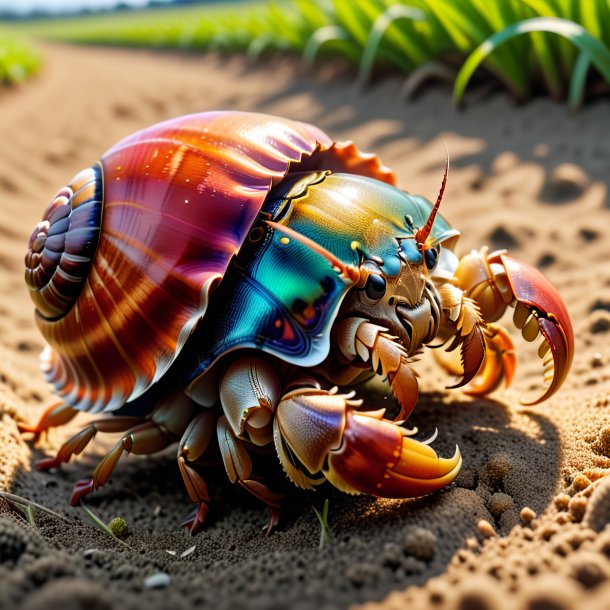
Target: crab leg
point(57, 414)
point(318, 432)
point(77, 443)
point(144, 439)
point(357, 337)
point(193, 445)
point(238, 464)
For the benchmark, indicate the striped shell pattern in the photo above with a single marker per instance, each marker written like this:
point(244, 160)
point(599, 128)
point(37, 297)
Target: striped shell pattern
point(122, 263)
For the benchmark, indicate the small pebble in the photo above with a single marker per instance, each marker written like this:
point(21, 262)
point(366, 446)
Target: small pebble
point(486, 528)
point(419, 543)
point(561, 501)
point(527, 515)
point(577, 508)
point(597, 360)
point(499, 503)
point(188, 551)
point(580, 482)
point(160, 580)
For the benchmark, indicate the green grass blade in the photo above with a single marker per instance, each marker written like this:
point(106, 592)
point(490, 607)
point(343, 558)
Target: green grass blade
point(323, 519)
point(99, 523)
point(468, 28)
point(13, 499)
point(325, 36)
point(28, 512)
point(578, 81)
point(598, 53)
point(381, 25)
point(543, 53)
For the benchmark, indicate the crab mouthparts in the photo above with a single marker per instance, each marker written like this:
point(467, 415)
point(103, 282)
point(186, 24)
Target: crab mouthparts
point(419, 323)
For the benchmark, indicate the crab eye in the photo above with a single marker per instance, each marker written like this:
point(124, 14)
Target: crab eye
point(374, 287)
point(431, 257)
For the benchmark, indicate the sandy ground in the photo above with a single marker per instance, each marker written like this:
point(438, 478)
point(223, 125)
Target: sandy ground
point(533, 179)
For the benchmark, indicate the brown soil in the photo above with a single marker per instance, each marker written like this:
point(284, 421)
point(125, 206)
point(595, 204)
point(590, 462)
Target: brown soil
point(523, 525)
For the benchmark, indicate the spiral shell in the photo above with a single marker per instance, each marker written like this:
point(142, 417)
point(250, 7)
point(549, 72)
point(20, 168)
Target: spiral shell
point(63, 244)
point(178, 201)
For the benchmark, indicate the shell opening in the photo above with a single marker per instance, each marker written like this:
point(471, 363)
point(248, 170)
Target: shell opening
point(63, 244)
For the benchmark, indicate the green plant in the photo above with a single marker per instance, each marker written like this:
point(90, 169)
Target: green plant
point(28, 507)
point(18, 60)
point(100, 524)
point(561, 46)
point(323, 519)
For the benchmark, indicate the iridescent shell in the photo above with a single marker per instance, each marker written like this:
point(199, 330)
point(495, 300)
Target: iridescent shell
point(121, 267)
point(280, 296)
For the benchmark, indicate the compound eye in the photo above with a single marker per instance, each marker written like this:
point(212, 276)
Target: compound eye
point(375, 287)
point(431, 257)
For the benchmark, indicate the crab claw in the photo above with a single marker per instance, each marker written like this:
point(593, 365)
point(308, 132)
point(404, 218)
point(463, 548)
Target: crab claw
point(540, 308)
point(378, 458)
point(498, 365)
point(357, 451)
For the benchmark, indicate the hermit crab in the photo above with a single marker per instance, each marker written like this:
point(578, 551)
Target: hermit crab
point(214, 278)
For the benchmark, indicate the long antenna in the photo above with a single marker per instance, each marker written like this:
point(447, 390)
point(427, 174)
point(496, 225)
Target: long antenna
point(424, 232)
point(348, 271)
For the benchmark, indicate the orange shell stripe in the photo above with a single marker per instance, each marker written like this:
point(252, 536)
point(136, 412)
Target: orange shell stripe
point(179, 199)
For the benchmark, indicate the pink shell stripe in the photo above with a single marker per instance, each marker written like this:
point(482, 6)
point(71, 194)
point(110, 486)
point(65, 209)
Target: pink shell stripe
point(179, 199)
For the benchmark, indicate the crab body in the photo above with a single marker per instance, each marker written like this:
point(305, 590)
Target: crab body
point(214, 278)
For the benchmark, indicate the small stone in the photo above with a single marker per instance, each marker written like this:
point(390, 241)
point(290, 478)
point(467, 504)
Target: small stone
point(577, 508)
point(561, 501)
point(597, 361)
point(527, 515)
point(391, 555)
point(486, 528)
point(419, 543)
point(580, 482)
point(160, 580)
point(500, 503)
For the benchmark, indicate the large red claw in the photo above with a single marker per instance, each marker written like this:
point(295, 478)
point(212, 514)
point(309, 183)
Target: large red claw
point(541, 308)
point(376, 457)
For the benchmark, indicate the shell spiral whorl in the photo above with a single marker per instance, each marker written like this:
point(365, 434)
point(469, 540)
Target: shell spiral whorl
point(63, 244)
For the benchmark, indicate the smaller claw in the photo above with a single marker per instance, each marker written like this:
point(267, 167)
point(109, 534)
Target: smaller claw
point(499, 363)
point(541, 308)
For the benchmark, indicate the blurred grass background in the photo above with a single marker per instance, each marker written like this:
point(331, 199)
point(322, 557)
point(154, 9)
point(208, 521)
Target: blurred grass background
point(18, 59)
point(557, 47)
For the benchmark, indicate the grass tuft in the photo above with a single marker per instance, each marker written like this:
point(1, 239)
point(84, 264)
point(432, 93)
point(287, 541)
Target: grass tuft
point(18, 60)
point(323, 519)
point(100, 524)
point(28, 507)
point(558, 46)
